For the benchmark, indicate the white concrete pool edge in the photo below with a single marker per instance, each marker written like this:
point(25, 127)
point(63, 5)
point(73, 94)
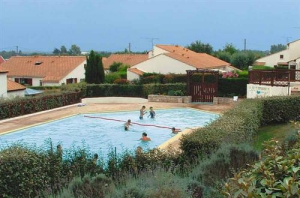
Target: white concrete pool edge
point(113, 100)
point(168, 144)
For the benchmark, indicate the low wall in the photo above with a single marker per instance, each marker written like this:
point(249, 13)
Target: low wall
point(173, 99)
point(223, 100)
point(260, 91)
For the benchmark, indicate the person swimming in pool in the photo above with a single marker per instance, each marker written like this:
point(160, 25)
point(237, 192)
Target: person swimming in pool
point(152, 113)
point(127, 124)
point(175, 131)
point(144, 137)
point(142, 112)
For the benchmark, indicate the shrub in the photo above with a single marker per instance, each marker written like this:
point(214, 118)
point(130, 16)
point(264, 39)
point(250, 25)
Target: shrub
point(276, 175)
point(22, 106)
point(237, 125)
point(115, 66)
point(23, 172)
point(280, 109)
point(121, 81)
point(111, 77)
point(232, 87)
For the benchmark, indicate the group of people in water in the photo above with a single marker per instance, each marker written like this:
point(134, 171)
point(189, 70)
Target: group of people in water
point(152, 115)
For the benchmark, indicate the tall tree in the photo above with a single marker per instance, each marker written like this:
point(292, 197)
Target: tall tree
point(200, 47)
point(56, 51)
point(229, 47)
point(277, 48)
point(94, 71)
point(63, 50)
point(74, 50)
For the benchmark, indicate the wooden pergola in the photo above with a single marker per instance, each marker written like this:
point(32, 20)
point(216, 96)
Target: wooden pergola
point(202, 91)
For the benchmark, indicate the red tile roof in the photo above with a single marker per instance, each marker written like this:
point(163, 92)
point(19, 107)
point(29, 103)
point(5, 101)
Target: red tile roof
point(13, 86)
point(48, 67)
point(2, 60)
point(197, 60)
point(3, 70)
point(127, 59)
point(136, 71)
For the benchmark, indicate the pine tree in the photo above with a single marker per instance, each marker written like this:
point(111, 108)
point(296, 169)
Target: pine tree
point(94, 71)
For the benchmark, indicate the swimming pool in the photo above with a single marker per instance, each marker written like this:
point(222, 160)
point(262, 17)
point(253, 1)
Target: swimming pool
point(104, 131)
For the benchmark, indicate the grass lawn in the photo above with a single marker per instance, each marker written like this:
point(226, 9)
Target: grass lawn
point(278, 131)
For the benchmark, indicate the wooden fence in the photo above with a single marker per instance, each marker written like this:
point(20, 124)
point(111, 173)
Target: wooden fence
point(274, 77)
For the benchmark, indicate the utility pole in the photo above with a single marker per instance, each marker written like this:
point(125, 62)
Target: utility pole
point(129, 48)
point(245, 44)
point(17, 51)
point(152, 41)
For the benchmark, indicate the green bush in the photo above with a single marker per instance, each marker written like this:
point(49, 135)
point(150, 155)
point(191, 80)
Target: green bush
point(280, 109)
point(111, 77)
point(257, 67)
point(220, 166)
point(276, 175)
point(237, 125)
point(115, 66)
point(23, 172)
point(27, 105)
point(132, 90)
point(232, 87)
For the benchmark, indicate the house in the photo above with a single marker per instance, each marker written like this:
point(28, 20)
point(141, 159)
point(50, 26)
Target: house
point(165, 59)
point(9, 88)
point(290, 57)
point(126, 59)
point(45, 70)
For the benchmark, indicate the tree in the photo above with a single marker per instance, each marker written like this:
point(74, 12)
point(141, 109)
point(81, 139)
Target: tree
point(56, 51)
point(200, 47)
point(74, 50)
point(242, 60)
point(63, 50)
point(229, 47)
point(277, 48)
point(94, 71)
point(114, 67)
point(225, 56)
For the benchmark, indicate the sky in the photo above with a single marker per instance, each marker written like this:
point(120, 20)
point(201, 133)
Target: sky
point(113, 25)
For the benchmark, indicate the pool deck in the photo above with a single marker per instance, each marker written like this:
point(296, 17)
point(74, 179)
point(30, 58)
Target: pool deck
point(106, 105)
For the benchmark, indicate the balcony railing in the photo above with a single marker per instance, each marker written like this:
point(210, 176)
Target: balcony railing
point(274, 77)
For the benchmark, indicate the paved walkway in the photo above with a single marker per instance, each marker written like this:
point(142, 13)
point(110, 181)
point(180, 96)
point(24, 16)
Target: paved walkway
point(9, 125)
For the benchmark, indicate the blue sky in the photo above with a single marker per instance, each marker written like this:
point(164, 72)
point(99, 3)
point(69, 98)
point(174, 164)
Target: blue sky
point(110, 25)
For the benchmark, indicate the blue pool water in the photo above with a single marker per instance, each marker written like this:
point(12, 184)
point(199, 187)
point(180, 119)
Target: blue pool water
point(100, 134)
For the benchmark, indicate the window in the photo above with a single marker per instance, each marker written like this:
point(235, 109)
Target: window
point(281, 56)
point(38, 62)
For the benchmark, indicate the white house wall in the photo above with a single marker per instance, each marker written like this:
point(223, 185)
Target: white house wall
point(273, 59)
point(156, 51)
point(3, 85)
point(19, 93)
point(164, 65)
point(294, 49)
point(35, 81)
point(132, 76)
point(78, 72)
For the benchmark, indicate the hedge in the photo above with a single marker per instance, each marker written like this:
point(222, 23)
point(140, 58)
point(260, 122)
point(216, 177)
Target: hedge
point(232, 87)
point(130, 90)
point(240, 124)
point(28, 105)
